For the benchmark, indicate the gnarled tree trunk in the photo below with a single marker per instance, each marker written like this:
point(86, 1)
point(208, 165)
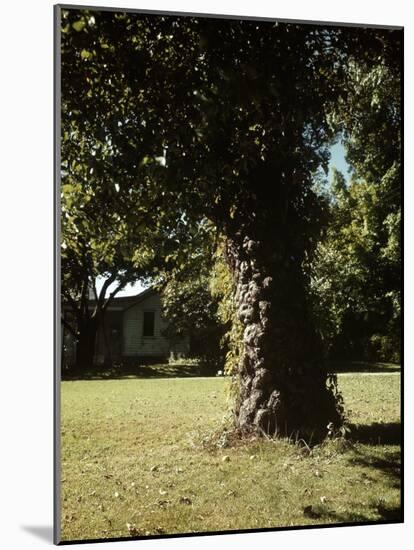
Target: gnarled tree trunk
point(85, 348)
point(283, 380)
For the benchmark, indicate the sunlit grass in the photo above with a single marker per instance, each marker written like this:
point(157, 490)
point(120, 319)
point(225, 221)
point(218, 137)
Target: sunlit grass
point(141, 456)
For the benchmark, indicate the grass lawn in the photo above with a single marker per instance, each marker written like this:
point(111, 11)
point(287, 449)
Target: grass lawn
point(138, 458)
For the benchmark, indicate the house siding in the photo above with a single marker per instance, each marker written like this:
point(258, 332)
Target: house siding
point(123, 337)
point(134, 343)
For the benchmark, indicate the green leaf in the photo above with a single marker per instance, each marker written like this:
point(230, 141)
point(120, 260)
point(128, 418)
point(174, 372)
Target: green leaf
point(145, 160)
point(79, 25)
point(85, 54)
point(67, 188)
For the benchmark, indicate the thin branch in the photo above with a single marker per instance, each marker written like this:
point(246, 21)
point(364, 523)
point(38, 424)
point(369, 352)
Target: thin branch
point(85, 298)
point(112, 294)
point(72, 302)
point(70, 328)
point(95, 311)
point(105, 286)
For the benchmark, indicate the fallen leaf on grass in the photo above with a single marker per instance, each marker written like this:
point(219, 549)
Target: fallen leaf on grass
point(225, 458)
point(309, 512)
point(132, 529)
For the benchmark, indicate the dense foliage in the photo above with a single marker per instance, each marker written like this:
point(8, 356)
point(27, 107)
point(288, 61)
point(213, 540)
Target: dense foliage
point(189, 306)
point(357, 277)
point(115, 222)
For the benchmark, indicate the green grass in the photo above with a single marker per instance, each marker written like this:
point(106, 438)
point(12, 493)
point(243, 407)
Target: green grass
point(139, 457)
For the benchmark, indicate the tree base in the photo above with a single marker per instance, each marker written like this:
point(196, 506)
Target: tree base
point(309, 411)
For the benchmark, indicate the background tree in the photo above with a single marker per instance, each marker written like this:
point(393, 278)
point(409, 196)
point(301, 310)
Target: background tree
point(358, 270)
point(190, 306)
point(115, 223)
point(105, 238)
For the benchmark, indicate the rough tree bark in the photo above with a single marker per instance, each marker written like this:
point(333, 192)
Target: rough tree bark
point(85, 348)
point(282, 376)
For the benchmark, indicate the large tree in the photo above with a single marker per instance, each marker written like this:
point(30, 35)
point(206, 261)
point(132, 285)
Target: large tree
point(240, 108)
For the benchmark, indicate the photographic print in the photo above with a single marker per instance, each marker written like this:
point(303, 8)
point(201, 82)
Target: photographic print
point(228, 309)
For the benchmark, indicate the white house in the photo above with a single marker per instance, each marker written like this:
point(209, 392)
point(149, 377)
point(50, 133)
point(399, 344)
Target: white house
point(133, 327)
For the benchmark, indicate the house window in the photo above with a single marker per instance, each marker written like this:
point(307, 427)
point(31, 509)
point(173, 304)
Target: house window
point(149, 323)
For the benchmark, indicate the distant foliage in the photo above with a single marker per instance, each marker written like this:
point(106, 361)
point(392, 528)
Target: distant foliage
point(355, 278)
point(188, 305)
point(357, 272)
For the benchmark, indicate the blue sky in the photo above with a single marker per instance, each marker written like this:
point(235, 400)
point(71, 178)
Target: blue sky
point(337, 160)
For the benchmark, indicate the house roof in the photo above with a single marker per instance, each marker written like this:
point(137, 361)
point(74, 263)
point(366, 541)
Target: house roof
point(125, 302)
point(122, 303)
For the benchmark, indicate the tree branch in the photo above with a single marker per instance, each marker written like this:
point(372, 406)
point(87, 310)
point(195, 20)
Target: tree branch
point(112, 294)
point(72, 302)
point(84, 296)
point(70, 328)
point(105, 286)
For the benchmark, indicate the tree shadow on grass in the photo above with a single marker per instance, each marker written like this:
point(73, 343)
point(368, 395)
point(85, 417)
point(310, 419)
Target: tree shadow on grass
point(383, 512)
point(377, 433)
point(161, 370)
point(372, 457)
point(375, 457)
point(363, 366)
point(389, 465)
